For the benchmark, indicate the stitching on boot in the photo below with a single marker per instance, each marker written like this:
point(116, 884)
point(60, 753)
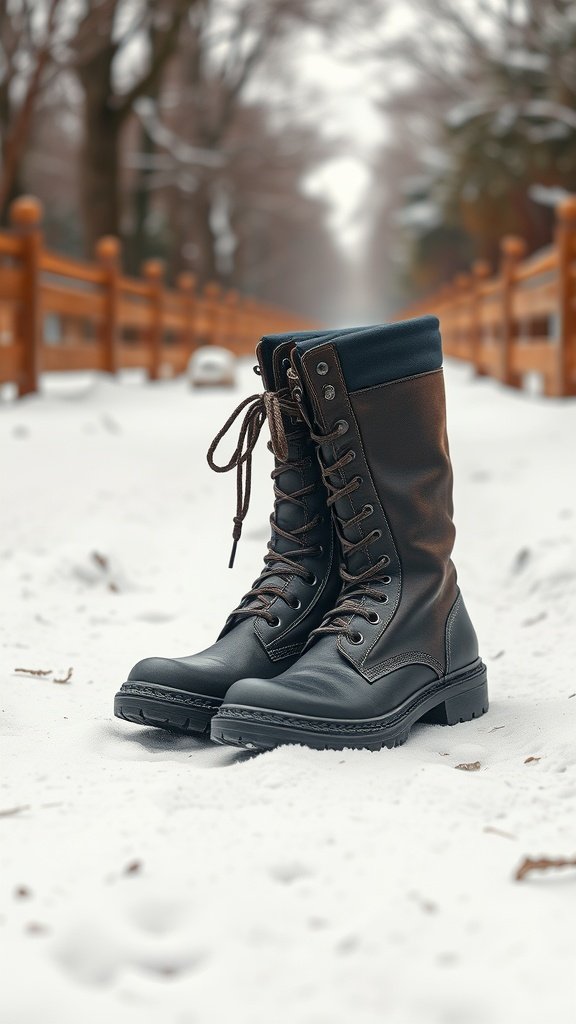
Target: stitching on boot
point(399, 661)
point(168, 698)
point(346, 728)
point(277, 654)
point(401, 380)
point(453, 615)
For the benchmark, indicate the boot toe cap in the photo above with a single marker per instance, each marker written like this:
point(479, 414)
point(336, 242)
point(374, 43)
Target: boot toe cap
point(163, 672)
point(275, 695)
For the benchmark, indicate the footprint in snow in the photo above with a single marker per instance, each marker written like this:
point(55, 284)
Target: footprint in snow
point(96, 952)
point(290, 872)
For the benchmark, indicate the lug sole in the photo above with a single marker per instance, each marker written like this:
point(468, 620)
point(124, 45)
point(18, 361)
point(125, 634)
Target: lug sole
point(459, 697)
point(165, 708)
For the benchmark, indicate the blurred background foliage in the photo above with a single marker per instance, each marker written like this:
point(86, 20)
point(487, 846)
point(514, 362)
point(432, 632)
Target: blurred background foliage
point(333, 158)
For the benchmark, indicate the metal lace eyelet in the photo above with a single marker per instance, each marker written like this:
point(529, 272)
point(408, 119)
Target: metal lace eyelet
point(322, 369)
point(285, 364)
point(275, 621)
point(385, 580)
point(329, 392)
point(358, 480)
point(312, 581)
point(356, 638)
point(384, 599)
point(296, 604)
point(368, 510)
point(320, 551)
point(351, 455)
point(342, 426)
point(374, 618)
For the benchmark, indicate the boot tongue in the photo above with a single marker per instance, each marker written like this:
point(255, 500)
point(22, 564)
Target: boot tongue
point(288, 516)
point(287, 442)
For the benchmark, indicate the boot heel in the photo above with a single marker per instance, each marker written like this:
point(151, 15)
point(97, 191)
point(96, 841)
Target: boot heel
point(465, 706)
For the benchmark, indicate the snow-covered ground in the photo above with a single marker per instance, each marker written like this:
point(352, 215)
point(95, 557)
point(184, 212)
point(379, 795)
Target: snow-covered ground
point(154, 879)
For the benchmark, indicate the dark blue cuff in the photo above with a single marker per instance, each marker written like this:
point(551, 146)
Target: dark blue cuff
point(386, 352)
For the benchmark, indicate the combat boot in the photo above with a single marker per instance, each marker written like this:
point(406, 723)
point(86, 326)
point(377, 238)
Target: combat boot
point(398, 647)
point(267, 632)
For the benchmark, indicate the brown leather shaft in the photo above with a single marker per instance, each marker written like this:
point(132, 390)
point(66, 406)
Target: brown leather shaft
point(398, 433)
point(403, 429)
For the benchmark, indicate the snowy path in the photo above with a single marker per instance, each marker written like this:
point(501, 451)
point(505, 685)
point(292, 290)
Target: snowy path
point(151, 879)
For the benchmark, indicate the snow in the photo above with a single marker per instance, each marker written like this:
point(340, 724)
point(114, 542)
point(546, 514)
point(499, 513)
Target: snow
point(548, 195)
point(506, 115)
point(421, 216)
point(148, 877)
point(526, 60)
point(468, 110)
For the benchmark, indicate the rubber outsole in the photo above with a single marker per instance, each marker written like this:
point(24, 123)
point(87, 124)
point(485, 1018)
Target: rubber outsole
point(459, 697)
point(165, 708)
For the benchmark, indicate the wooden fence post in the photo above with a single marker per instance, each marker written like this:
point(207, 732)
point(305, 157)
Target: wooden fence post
point(26, 217)
point(513, 249)
point(108, 256)
point(480, 272)
point(212, 298)
point(564, 380)
point(153, 271)
point(186, 284)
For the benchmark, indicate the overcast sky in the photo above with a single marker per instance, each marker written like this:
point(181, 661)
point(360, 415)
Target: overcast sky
point(346, 79)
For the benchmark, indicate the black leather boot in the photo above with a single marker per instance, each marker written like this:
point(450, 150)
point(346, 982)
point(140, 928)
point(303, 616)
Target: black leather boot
point(299, 582)
point(399, 645)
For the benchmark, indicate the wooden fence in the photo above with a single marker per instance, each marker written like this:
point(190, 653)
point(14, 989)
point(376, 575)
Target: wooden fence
point(58, 313)
point(520, 321)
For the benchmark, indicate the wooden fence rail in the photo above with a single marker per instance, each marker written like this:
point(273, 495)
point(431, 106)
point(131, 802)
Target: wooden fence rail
point(58, 313)
point(520, 321)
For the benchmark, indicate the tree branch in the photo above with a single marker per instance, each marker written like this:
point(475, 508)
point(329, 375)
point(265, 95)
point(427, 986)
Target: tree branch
point(20, 129)
point(163, 51)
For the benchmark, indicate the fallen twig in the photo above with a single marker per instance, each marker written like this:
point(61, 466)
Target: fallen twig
point(43, 673)
point(133, 868)
point(34, 671)
point(9, 812)
point(101, 561)
point(492, 830)
point(66, 678)
point(530, 864)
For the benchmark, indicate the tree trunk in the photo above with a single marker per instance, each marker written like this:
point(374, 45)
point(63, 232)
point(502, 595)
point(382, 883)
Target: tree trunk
point(14, 191)
point(138, 244)
point(99, 162)
point(202, 234)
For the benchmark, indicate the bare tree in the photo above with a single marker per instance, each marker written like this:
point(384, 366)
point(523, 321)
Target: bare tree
point(223, 48)
point(99, 48)
point(26, 43)
point(486, 122)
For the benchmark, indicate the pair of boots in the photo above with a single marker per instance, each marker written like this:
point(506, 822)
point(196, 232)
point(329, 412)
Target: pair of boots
point(355, 629)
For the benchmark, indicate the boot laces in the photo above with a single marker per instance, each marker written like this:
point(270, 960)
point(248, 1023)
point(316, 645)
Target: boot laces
point(270, 405)
point(357, 586)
